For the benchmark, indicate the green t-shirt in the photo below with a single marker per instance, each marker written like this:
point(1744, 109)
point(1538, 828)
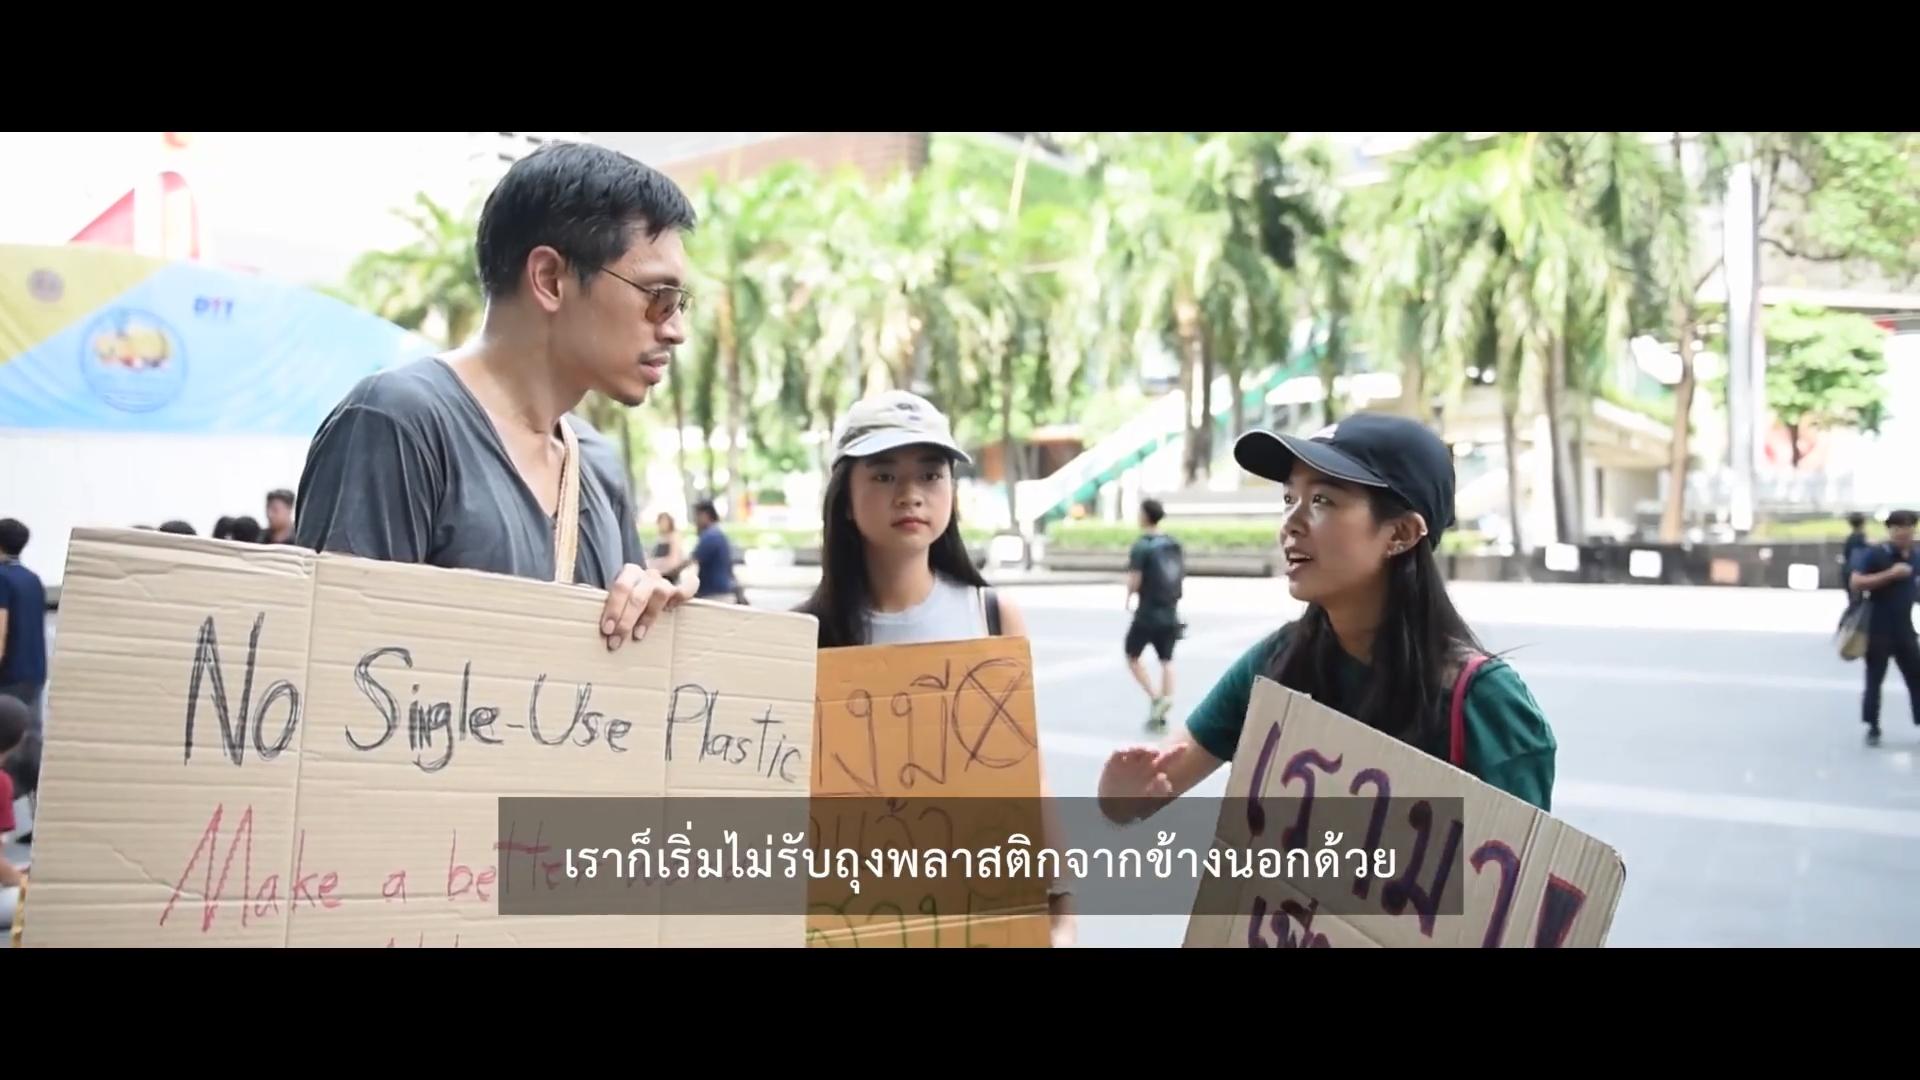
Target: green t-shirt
point(1509, 744)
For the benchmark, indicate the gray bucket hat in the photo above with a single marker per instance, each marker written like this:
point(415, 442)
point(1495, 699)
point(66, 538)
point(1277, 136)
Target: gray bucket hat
point(890, 421)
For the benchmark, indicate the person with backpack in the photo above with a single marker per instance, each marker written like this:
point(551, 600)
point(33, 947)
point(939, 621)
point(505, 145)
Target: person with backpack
point(1883, 576)
point(894, 569)
point(1156, 571)
point(1366, 502)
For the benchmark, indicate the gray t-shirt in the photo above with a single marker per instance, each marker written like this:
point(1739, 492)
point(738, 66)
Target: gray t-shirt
point(409, 468)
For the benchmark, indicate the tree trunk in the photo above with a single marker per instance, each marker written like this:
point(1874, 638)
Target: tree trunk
point(730, 358)
point(1333, 355)
point(1793, 436)
point(1332, 359)
point(713, 471)
point(1186, 316)
point(1565, 513)
point(1673, 522)
point(1205, 427)
point(1582, 406)
point(680, 434)
point(1413, 376)
point(1239, 404)
point(1511, 438)
point(920, 365)
point(823, 448)
point(1009, 459)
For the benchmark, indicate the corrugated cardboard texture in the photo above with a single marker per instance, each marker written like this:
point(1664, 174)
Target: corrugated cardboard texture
point(1565, 884)
point(372, 722)
point(926, 724)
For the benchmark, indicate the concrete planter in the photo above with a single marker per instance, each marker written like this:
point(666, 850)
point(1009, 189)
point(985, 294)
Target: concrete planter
point(1199, 563)
point(810, 556)
point(1748, 565)
point(1751, 565)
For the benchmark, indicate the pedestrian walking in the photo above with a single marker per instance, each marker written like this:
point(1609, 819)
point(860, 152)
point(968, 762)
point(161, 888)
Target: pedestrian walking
point(1366, 502)
point(23, 623)
point(711, 558)
point(1856, 540)
point(1156, 574)
point(1883, 576)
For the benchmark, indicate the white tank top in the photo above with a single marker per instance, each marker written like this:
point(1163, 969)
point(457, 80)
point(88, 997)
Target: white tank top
point(951, 612)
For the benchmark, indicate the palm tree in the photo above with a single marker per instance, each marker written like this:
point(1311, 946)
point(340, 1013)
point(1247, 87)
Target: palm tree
point(1529, 274)
point(1168, 235)
point(743, 255)
point(433, 279)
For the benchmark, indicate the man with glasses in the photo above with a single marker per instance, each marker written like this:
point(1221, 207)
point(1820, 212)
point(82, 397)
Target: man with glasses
point(458, 460)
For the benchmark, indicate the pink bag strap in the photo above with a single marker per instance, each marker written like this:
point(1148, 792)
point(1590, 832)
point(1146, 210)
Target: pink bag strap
point(1457, 722)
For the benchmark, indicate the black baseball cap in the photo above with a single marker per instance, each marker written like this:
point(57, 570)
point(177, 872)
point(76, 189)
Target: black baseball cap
point(1370, 449)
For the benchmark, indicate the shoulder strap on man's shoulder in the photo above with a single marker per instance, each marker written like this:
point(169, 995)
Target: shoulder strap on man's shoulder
point(992, 601)
point(566, 521)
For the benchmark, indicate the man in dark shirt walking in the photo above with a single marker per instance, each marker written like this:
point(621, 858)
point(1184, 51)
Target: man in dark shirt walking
point(23, 623)
point(463, 460)
point(1884, 573)
point(1856, 539)
point(1155, 574)
point(713, 556)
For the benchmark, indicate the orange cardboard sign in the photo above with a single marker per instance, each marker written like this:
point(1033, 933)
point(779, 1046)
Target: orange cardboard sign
point(928, 748)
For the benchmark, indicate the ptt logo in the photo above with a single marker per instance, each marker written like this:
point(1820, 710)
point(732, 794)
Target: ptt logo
point(213, 307)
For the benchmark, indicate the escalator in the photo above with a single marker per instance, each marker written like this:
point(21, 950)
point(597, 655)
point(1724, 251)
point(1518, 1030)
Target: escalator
point(1160, 424)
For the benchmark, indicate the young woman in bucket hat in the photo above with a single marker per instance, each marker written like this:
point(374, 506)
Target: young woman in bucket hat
point(1366, 503)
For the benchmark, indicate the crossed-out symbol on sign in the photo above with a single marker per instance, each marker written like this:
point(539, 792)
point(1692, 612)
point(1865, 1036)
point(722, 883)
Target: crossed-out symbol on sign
point(998, 714)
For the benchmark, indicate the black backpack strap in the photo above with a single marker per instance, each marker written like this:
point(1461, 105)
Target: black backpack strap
point(993, 611)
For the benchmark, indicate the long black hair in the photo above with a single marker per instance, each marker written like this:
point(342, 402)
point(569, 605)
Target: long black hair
point(840, 602)
point(1417, 651)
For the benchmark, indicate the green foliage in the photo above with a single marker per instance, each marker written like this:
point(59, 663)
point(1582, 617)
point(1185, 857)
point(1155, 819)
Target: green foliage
point(1824, 369)
point(1836, 195)
point(1017, 294)
point(434, 278)
point(754, 536)
point(1196, 535)
point(1211, 536)
point(1656, 408)
point(1805, 531)
point(1462, 542)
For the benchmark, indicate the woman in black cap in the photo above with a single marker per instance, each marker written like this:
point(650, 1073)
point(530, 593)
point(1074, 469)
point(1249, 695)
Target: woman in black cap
point(1366, 501)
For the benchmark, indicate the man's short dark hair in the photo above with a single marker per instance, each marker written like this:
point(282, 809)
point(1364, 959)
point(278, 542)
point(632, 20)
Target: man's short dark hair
point(281, 495)
point(1152, 510)
point(1857, 519)
point(705, 506)
point(1902, 519)
point(13, 722)
point(13, 537)
point(580, 199)
point(245, 530)
point(177, 527)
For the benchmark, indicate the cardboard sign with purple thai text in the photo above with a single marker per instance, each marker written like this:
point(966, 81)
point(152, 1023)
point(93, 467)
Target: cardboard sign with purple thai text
point(1421, 854)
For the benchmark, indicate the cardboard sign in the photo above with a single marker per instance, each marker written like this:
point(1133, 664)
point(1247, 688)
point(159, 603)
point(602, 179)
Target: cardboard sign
point(923, 747)
point(258, 746)
point(1470, 866)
